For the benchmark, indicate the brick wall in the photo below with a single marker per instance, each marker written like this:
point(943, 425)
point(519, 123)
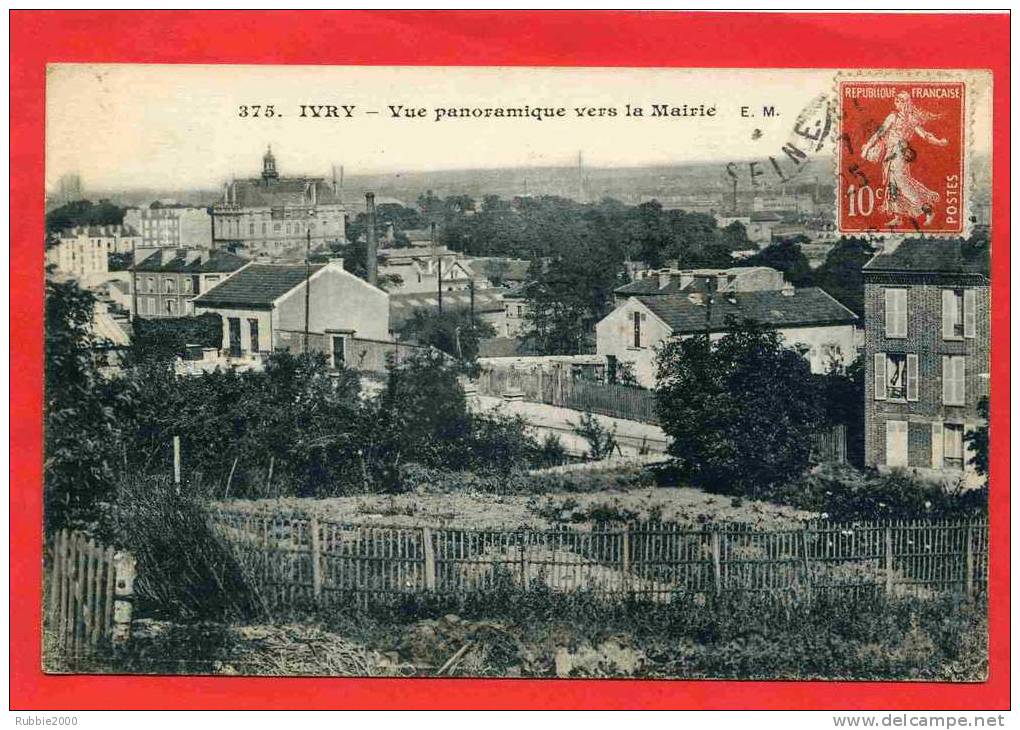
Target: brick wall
point(924, 337)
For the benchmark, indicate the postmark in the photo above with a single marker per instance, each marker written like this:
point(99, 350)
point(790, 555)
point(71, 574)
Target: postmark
point(901, 156)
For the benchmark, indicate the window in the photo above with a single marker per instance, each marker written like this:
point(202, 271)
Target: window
point(896, 313)
point(896, 443)
point(150, 283)
point(948, 446)
point(169, 286)
point(953, 380)
point(263, 229)
point(186, 285)
point(896, 376)
point(338, 345)
point(952, 314)
point(151, 308)
point(637, 329)
point(520, 310)
point(276, 227)
point(253, 334)
point(171, 306)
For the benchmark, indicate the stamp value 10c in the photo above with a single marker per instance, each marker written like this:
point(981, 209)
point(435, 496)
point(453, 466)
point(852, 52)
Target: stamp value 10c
point(901, 157)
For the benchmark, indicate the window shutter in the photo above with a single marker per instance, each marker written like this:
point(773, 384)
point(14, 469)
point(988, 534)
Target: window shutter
point(890, 312)
point(947, 380)
point(879, 376)
point(937, 450)
point(961, 378)
point(900, 297)
point(969, 313)
point(911, 377)
point(948, 313)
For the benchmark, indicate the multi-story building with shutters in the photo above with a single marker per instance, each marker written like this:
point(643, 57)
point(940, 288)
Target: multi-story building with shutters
point(927, 335)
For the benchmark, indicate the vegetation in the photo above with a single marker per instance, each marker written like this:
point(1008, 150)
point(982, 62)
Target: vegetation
point(977, 440)
point(84, 213)
point(741, 411)
point(454, 331)
point(163, 339)
point(84, 431)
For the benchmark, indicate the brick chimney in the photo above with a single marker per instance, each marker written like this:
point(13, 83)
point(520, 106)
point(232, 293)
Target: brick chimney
point(371, 256)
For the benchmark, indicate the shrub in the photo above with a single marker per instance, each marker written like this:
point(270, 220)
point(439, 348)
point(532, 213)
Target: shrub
point(184, 567)
point(163, 339)
point(601, 440)
point(741, 411)
point(844, 493)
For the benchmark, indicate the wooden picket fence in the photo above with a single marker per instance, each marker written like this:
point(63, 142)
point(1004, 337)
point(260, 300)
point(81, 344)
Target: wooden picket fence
point(87, 595)
point(303, 560)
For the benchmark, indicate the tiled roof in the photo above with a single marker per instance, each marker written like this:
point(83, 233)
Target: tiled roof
point(808, 306)
point(952, 255)
point(256, 285)
point(185, 261)
point(284, 191)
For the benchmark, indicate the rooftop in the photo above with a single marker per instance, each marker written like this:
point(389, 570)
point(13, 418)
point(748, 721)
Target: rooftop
point(923, 255)
point(281, 192)
point(190, 261)
point(686, 313)
point(257, 285)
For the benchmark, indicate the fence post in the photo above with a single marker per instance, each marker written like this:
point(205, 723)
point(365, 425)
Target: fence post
point(123, 592)
point(807, 562)
point(315, 547)
point(888, 560)
point(716, 543)
point(177, 463)
point(969, 561)
point(430, 558)
point(625, 556)
point(525, 579)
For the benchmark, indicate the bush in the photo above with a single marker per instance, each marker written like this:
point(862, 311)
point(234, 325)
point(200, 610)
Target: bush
point(163, 339)
point(183, 566)
point(844, 493)
point(741, 411)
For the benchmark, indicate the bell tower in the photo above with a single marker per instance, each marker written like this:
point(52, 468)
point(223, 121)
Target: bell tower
point(269, 166)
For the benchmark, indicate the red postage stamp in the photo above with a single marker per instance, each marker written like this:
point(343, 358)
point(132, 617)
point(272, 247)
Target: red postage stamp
point(901, 157)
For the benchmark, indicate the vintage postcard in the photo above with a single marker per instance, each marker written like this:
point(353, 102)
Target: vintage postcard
point(517, 372)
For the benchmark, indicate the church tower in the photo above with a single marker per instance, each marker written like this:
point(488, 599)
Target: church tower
point(269, 166)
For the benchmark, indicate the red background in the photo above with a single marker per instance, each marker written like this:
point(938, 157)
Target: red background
point(932, 166)
point(467, 38)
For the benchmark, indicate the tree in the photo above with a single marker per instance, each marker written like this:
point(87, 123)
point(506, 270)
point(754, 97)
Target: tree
point(741, 412)
point(977, 440)
point(842, 275)
point(453, 331)
point(84, 213)
point(164, 339)
point(787, 257)
point(83, 428)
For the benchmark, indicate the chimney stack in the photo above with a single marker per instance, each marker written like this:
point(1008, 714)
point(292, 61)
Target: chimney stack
point(371, 260)
point(664, 278)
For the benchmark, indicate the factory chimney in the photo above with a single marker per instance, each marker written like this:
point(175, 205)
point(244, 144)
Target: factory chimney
point(371, 261)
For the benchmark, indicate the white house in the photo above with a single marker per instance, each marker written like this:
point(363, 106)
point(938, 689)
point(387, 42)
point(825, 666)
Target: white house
point(263, 309)
point(808, 319)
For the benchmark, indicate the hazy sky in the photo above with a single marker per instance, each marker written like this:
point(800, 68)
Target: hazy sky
point(163, 126)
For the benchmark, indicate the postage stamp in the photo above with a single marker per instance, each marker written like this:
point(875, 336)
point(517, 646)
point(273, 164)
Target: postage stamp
point(901, 157)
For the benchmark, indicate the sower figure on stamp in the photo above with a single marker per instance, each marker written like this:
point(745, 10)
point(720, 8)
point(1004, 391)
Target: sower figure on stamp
point(890, 145)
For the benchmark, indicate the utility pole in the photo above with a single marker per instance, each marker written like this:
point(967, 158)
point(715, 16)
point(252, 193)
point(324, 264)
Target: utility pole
point(471, 292)
point(439, 268)
point(308, 284)
point(134, 281)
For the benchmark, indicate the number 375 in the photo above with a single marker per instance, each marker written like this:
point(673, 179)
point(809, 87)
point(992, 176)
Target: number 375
point(253, 111)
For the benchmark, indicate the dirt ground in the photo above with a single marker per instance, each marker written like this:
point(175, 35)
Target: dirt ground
point(491, 511)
